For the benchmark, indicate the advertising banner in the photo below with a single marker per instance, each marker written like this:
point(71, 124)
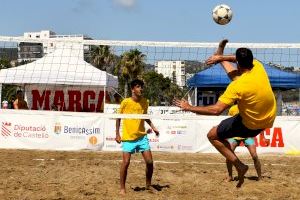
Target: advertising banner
point(65, 98)
point(50, 130)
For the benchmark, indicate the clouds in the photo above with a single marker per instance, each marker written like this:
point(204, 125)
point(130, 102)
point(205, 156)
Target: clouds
point(128, 4)
point(83, 5)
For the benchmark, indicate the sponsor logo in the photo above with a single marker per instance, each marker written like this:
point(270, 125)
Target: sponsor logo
point(176, 132)
point(153, 139)
point(113, 146)
point(93, 140)
point(25, 131)
point(57, 128)
point(165, 147)
point(81, 130)
point(184, 147)
point(110, 139)
point(6, 129)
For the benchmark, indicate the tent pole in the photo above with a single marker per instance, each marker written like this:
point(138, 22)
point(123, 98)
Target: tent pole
point(279, 103)
point(196, 94)
point(104, 99)
point(1, 95)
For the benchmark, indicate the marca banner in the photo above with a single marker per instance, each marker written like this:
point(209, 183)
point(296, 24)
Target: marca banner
point(50, 130)
point(65, 98)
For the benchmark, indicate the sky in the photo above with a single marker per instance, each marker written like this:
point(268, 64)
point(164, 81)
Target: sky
point(273, 21)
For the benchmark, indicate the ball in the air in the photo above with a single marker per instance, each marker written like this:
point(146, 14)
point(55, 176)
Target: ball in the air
point(222, 14)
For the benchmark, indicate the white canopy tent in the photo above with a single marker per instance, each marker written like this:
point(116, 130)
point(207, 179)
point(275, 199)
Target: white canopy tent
point(64, 66)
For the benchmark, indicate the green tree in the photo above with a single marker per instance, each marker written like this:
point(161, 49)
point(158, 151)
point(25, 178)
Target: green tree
point(160, 90)
point(102, 57)
point(130, 67)
point(8, 91)
point(4, 63)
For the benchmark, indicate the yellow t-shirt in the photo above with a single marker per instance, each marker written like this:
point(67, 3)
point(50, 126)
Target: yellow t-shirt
point(133, 129)
point(233, 110)
point(256, 100)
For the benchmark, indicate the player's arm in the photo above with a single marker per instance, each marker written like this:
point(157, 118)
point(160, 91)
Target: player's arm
point(230, 70)
point(16, 104)
point(220, 58)
point(152, 126)
point(215, 109)
point(118, 136)
point(226, 62)
point(118, 123)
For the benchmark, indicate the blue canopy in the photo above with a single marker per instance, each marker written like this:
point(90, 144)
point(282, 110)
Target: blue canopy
point(215, 77)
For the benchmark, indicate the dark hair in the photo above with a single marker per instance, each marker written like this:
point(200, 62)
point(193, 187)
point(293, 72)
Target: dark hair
point(136, 82)
point(19, 91)
point(244, 58)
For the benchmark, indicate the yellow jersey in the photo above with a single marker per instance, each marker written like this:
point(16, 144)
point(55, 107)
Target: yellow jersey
point(256, 100)
point(233, 110)
point(133, 129)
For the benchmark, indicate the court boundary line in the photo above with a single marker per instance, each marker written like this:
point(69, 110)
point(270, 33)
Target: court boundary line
point(166, 162)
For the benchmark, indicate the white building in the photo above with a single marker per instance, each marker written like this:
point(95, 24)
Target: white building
point(32, 51)
point(175, 70)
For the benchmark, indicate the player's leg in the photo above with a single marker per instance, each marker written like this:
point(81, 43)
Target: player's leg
point(123, 171)
point(233, 144)
point(128, 148)
point(144, 147)
point(149, 167)
point(221, 47)
point(220, 145)
point(250, 144)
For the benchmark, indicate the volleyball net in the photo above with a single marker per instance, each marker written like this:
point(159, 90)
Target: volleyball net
point(80, 75)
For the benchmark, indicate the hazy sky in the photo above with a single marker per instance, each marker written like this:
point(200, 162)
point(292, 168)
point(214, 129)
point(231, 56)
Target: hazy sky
point(158, 20)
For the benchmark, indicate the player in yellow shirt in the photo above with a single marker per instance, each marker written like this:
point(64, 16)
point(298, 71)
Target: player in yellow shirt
point(252, 91)
point(134, 136)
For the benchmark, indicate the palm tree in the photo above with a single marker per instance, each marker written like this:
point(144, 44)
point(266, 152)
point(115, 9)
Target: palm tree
point(131, 66)
point(8, 91)
point(102, 57)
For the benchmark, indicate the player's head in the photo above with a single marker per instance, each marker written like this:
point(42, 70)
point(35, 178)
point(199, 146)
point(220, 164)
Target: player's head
point(19, 93)
point(244, 58)
point(137, 87)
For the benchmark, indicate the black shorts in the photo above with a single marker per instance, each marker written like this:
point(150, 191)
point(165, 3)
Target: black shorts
point(233, 127)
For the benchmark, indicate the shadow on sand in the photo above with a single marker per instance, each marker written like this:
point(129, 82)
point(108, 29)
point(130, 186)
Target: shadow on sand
point(156, 187)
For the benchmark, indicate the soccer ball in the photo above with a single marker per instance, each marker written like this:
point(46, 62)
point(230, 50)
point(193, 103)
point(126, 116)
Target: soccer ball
point(222, 14)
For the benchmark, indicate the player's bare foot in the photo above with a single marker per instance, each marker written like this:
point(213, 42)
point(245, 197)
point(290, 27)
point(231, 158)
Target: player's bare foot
point(242, 170)
point(221, 47)
point(149, 189)
point(229, 179)
point(122, 192)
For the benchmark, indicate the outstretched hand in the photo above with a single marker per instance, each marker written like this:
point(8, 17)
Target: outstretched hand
point(155, 131)
point(213, 59)
point(183, 104)
point(118, 139)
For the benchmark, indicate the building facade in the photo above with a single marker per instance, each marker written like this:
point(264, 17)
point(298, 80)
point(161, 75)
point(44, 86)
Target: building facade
point(32, 51)
point(175, 70)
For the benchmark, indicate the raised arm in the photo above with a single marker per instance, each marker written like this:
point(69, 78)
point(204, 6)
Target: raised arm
point(215, 109)
point(226, 62)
